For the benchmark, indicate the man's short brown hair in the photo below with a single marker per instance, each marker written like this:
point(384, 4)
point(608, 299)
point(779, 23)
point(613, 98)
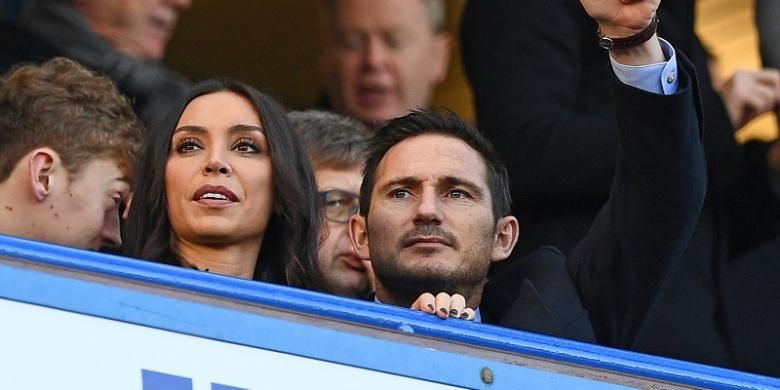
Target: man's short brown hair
point(63, 106)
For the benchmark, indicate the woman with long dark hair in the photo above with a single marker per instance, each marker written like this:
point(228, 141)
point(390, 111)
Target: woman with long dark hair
point(225, 187)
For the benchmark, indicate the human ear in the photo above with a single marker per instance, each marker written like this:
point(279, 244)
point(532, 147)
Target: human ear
point(42, 163)
point(442, 48)
point(507, 231)
point(128, 204)
point(358, 234)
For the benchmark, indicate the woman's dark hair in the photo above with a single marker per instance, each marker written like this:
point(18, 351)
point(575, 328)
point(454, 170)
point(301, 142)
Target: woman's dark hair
point(289, 251)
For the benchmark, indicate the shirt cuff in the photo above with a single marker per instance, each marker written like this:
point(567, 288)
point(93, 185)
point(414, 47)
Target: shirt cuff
point(660, 78)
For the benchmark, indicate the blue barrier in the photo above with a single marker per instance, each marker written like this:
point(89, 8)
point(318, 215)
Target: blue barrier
point(342, 333)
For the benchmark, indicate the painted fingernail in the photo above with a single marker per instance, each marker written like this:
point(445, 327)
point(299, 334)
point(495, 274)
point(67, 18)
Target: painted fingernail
point(454, 313)
point(443, 310)
point(430, 307)
point(464, 315)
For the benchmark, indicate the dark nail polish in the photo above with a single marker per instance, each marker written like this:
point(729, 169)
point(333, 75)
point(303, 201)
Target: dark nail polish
point(430, 307)
point(464, 315)
point(443, 310)
point(454, 313)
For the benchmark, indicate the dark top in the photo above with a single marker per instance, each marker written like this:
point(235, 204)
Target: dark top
point(639, 234)
point(541, 96)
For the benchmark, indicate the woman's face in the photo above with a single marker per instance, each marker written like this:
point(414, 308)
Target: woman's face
point(218, 177)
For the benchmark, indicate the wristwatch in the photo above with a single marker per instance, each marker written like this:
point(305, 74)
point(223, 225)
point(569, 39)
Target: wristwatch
point(634, 40)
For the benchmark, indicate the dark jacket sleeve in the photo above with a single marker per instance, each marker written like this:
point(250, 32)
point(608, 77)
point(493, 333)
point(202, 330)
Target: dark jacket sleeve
point(528, 65)
point(655, 200)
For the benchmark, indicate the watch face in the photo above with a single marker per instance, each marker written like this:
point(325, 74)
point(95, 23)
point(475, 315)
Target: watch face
point(606, 43)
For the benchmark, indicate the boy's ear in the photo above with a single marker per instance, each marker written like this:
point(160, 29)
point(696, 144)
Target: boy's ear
point(42, 163)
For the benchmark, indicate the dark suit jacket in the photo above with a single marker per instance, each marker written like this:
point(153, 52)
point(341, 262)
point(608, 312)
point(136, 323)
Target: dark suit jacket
point(541, 96)
point(638, 236)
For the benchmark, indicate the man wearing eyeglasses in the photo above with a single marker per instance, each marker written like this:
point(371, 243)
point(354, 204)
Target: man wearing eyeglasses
point(335, 145)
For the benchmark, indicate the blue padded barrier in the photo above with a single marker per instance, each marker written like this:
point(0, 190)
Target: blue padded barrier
point(126, 290)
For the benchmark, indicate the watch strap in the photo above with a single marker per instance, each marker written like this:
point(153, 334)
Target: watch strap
point(628, 42)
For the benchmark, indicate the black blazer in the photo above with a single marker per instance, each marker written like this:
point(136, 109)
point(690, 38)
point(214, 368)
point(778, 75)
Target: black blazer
point(544, 301)
point(606, 287)
point(541, 97)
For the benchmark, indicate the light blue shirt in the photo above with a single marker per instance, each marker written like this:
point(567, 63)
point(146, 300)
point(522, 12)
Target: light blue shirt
point(660, 78)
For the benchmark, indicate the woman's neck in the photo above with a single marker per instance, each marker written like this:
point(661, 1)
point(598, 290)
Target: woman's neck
point(237, 260)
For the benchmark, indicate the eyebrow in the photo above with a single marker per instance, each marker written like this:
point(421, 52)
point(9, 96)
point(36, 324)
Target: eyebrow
point(124, 179)
point(406, 181)
point(232, 130)
point(451, 181)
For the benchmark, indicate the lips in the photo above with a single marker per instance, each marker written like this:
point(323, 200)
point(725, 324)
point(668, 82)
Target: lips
point(353, 261)
point(214, 194)
point(425, 240)
point(163, 23)
point(428, 236)
point(373, 95)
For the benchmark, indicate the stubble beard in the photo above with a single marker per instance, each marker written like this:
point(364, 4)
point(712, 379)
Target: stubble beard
point(405, 282)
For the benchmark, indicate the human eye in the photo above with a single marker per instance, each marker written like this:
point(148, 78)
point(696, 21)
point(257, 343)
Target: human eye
point(458, 194)
point(246, 145)
point(335, 202)
point(394, 41)
point(400, 193)
point(188, 145)
point(351, 41)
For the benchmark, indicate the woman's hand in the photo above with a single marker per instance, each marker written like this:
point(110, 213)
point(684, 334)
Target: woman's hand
point(444, 306)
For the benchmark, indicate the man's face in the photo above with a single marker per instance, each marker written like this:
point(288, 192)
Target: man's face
point(139, 28)
point(430, 225)
point(85, 210)
point(381, 58)
point(344, 272)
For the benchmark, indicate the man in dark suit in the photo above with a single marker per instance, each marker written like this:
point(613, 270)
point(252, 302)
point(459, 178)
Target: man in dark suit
point(435, 206)
point(540, 97)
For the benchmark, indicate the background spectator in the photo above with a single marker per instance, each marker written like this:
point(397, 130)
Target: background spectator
point(122, 39)
point(335, 145)
point(381, 58)
point(751, 291)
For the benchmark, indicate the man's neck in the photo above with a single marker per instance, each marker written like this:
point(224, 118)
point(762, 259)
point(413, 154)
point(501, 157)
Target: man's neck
point(17, 215)
point(237, 260)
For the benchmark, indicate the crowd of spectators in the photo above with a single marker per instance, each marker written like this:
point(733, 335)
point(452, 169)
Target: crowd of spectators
point(607, 200)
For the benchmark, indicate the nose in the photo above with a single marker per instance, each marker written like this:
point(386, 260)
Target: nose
point(374, 54)
point(110, 233)
point(428, 211)
point(216, 164)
